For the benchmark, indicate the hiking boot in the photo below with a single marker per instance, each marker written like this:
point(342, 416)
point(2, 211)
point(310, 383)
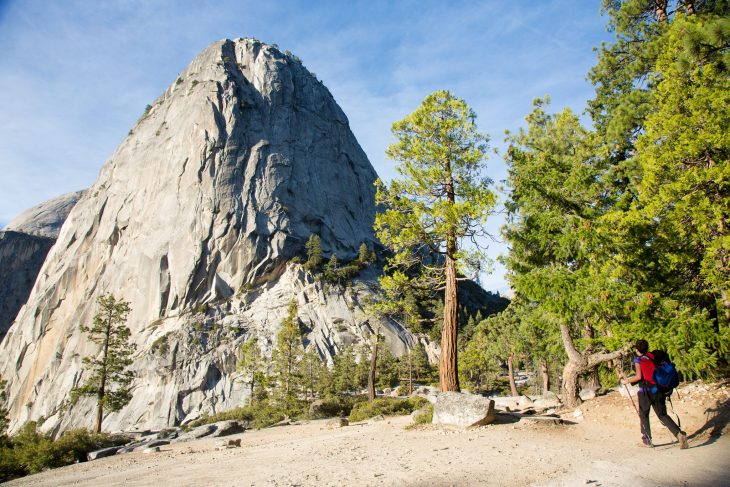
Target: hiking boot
point(682, 437)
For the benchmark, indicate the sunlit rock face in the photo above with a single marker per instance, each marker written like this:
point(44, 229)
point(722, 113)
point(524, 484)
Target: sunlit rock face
point(45, 219)
point(194, 220)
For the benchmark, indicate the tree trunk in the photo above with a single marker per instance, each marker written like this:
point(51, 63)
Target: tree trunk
point(726, 304)
point(511, 375)
point(373, 366)
point(578, 364)
point(545, 377)
point(448, 371)
point(410, 374)
point(102, 386)
point(590, 379)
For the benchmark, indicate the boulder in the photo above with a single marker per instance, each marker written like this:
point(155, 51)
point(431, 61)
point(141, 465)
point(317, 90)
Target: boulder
point(227, 428)
point(587, 394)
point(546, 401)
point(463, 410)
point(195, 433)
point(104, 452)
point(512, 403)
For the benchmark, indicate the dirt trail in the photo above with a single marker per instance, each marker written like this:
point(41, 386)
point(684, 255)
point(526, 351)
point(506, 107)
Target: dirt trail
point(601, 449)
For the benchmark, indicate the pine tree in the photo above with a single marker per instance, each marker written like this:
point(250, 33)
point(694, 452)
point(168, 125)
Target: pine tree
point(4, 422)
point(555, 261)
point(108, 367)
point(286, 357)
point(311, 369)
point(344, 371)
point(252, 366)
point(314, 252)
point(440, 199)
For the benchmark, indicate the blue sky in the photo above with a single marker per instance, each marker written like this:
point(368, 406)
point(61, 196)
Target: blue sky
point(76, 75)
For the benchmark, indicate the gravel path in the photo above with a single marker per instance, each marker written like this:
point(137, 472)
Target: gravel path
point(599, 449)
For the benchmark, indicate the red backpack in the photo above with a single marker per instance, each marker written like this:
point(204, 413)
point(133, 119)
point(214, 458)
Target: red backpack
point(646, 362)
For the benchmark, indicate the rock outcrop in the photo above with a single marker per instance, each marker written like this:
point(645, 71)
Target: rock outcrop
point(194, 220)
point(45, 219)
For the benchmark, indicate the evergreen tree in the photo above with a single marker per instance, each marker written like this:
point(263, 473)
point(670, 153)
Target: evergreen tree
point(4, 422)
point(108, 367)
point(314, 252)
point(554, 261)
point(343, 371)
point(362, 369)
point(387, 368)
point(440, 200)
point(311, 369)
point(252, 365)
point(286, 358)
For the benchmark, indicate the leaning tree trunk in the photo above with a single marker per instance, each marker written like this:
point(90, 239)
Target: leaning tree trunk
point(511, 375)
point(578, 364)
point(590, 379)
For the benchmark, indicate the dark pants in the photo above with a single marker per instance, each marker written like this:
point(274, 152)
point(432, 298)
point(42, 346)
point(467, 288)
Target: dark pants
point(647, 400)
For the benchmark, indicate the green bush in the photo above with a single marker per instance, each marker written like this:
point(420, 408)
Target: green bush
point(259, 415)
point(336, 406)
point(30, 451)
point(424, 415)
point(387, 406)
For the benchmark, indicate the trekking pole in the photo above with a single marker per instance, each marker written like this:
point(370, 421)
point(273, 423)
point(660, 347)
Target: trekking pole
point(641, 424)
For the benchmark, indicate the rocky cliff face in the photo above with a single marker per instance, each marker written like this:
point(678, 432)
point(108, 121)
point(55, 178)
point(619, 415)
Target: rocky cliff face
point(193, 220)
point(24, 244)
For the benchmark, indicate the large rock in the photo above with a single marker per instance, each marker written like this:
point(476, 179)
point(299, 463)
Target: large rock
point(193, 220)
point(463, 410)
point(45, 219)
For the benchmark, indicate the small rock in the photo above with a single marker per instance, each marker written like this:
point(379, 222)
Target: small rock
point(154, 449)
point(587, 394)
point(376, 418)
point(104, 452)
point(337, 423)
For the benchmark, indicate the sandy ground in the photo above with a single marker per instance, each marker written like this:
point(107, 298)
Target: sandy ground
point(601, 449)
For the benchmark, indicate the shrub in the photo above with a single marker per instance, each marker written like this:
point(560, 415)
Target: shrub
point(336, 406)
point(387, 406)
point(30, 451)
point(424, 415)
point(259, 415)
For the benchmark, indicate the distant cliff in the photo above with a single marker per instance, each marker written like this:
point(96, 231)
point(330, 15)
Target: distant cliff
point(24, 244)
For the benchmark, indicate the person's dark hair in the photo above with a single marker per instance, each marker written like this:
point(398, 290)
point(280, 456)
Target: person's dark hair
point(642, 346)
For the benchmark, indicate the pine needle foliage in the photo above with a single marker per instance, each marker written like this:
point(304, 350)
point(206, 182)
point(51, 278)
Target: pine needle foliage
point(109, 380)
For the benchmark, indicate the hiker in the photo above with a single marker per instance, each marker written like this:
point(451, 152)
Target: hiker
point(644, 365)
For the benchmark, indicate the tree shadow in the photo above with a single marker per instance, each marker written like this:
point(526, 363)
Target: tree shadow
point(717, 419)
